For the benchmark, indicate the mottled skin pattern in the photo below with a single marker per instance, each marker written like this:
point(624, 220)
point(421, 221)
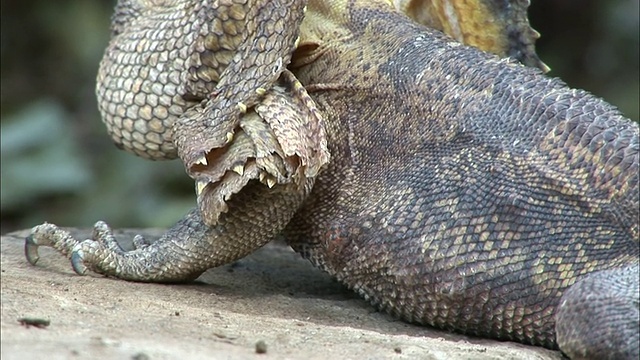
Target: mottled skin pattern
point(476, 190)
point(464, 191)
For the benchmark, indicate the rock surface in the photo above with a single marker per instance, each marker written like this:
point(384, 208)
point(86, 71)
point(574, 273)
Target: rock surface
point(273, 297)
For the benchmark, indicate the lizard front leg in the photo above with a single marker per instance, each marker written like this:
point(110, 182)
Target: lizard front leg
point(188, 248)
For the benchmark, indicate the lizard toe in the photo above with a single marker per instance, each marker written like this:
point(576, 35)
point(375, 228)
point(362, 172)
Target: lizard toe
point(103, 234)
point(47, 235)
point(97, 255)
point(139, 242)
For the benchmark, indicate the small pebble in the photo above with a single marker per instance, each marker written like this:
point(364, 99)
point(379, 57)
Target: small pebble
point(140, 356)
point(261, 347)
point(36, 322)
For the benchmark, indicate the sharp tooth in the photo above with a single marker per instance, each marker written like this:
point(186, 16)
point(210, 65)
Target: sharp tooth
point(271, 182)
point(262, 177)
point(200, 185)
point(229, 137)
point(238, 169)
point(261, 91)
point(545, 68)
point(535, 34)
point(202, 160)
point(242, 107)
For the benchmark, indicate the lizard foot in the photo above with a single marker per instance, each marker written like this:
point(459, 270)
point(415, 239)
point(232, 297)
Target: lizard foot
point(101, 254)
point(100, 248)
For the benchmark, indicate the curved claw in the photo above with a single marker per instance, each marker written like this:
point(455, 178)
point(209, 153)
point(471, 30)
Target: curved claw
point(77, 262)
point(31, 250)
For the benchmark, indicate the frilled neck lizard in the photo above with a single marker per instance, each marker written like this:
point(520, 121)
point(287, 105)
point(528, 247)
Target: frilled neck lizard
point(446, 185)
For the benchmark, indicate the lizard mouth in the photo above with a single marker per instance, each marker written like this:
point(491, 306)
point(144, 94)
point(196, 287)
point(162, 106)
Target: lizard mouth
point(252, 154)
point(281, 140)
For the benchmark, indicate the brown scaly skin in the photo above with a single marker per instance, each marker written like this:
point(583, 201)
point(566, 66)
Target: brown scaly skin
point(464, 191)
point(468, 192)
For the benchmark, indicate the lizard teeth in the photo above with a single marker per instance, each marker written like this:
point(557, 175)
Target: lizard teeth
point(238, 169)
point(200, 185)
point(202, 160)
point(229, 137)
point(261, 91)
point(535, 34)
point(271, 182)
point(267, 179)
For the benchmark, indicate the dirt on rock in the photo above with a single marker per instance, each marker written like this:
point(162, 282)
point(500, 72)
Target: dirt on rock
point(270, 305)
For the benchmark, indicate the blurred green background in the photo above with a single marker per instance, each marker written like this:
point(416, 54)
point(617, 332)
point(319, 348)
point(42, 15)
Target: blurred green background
point(58, 164)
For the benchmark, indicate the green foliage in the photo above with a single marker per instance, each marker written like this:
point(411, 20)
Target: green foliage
point(39, 156)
